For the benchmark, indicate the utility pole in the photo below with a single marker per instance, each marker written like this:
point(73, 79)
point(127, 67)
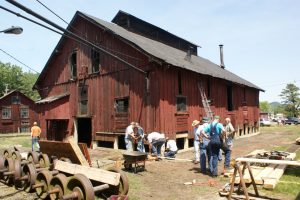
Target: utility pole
point(6, 89)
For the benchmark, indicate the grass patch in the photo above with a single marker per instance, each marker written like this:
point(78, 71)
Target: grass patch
point(136, 186)
point(9, 142)
point(290, 182)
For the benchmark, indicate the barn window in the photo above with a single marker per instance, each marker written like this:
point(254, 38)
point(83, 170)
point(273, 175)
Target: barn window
point(15, 100)
point(6, 112)
point(73, 64)
point(83, 100)
point(229, 98)
point(122, 105)
point(24, 112)
point(95, 59)
point(181, 104)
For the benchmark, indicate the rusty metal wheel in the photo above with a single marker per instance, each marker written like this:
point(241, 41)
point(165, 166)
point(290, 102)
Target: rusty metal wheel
point(58, 187)
point(80, 185)
point(2, 160)
point(122, 188)
point(28, 171)
point(65, 159)
point(33, 157)
point(16, 155)
point(43, 178)
point(7, 153)
point(10, 167)
point(44, 160)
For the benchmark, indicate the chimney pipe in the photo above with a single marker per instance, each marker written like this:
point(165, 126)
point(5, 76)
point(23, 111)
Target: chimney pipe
point(221, 56)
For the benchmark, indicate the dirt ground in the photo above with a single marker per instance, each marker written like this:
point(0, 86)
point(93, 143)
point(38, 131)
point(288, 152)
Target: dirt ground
point(165, 179)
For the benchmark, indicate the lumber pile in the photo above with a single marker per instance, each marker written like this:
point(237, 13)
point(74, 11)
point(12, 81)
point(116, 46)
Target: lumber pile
point(267, 175)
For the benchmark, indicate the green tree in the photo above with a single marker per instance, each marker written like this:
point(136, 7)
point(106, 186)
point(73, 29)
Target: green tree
point(264, 106)
point(290, 99)
point(16, 79)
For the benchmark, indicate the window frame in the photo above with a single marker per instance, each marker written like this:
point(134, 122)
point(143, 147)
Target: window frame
point(3, 112)
point(95, 61)
point(125, 108)
point(21, 112)
point(185, 104)
point(73, 64)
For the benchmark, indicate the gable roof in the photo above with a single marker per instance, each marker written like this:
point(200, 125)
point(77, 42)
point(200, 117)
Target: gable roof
point(17, 93)
point(161, 52)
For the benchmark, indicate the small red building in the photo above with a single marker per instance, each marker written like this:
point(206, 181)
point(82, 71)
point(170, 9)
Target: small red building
point(150, 77)
point(17, 113)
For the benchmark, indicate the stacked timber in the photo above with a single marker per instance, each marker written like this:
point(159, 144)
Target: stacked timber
point(266, 175)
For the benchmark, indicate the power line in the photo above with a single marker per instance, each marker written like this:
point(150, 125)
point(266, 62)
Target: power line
point(19, 61)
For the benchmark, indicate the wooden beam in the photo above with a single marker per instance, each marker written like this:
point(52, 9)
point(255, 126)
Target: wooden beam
point(94, 174)
point(278, 162)
point(78, 152)
point(273, 178)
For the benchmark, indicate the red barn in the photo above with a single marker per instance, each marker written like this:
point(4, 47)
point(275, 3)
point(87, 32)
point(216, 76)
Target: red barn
point(18, 113)
point(150, 77)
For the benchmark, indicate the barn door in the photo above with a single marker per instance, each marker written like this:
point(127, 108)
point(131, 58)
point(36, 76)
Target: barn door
point(84, 130)
point(121, 114)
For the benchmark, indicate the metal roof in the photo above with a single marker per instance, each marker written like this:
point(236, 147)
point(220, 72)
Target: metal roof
point(52, 98)
point(171, 55)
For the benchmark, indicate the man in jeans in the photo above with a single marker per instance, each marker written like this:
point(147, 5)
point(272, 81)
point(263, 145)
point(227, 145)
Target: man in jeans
point(156, 140)
point(213, 132)
point(204, 145)
point(228, 142)
point(35, 136)
point(196, 124)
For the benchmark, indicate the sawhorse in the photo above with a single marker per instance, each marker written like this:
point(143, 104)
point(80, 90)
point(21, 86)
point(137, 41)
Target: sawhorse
point(237, 169)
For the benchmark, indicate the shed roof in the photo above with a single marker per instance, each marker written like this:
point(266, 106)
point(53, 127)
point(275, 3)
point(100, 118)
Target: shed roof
point(171, 55)
point(52, 98)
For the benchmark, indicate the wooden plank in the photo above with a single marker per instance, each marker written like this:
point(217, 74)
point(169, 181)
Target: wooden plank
point(58, 149)
point(95, 174)
point(85, 151)
point(255, 170)
point(259, 178)
point(273, 178)
point(78, 152)
point(278, 162)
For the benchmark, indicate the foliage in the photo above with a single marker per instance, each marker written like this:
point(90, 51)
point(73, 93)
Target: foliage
point(264, 106)
point(290, 99)
point(16, 79)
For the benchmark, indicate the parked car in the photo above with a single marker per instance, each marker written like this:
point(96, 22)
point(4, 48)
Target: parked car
point(292, 120)
point(264, 122)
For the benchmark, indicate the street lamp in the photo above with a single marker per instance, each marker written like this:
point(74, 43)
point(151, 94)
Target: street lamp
point(13, 30)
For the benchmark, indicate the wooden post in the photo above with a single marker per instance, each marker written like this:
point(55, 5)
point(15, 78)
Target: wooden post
point(252, 179)
point(242, 182)
point(232, 182)
point(186, 143)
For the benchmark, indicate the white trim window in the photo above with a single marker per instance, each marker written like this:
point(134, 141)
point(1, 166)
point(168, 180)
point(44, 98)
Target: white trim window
point(6, 112)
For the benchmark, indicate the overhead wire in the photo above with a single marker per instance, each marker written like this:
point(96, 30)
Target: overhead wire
point(78, 31)
point(19, 61)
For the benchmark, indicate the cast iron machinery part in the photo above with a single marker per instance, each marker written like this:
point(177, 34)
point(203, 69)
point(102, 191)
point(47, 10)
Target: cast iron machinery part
point(42, 183)
point(122, 188)
point(58, 186)
point(7, 153)
point(80, 187)
point(33, 157)
point(2, 160)
point(7, 172)
point(16, 155)
point(28, 178)
point(44, 160)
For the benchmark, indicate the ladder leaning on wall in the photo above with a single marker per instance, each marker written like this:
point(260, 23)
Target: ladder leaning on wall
point(205, 102)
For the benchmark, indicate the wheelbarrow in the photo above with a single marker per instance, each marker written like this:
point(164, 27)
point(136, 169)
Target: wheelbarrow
point(136, 158)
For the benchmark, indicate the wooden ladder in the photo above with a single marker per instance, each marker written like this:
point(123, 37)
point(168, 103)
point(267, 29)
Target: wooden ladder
point(205, 102)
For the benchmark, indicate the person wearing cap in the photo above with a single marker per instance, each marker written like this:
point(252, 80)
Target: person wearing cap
point(204, 145)
point(129, 136)
point(196, 124)
point(214, 132)
point(35, 136)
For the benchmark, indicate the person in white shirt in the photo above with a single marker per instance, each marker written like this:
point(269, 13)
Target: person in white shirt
point(156, 140)
point(196, 124)
point(129, 137)
point(171, 148)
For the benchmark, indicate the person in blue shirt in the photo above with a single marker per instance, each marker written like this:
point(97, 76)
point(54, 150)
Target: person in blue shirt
point(213, 132)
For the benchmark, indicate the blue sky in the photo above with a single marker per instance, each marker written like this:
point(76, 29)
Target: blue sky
point(261, 37)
